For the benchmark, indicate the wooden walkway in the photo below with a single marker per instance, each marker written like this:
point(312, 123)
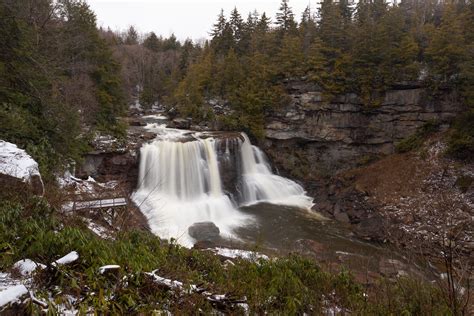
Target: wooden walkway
point(99, 204)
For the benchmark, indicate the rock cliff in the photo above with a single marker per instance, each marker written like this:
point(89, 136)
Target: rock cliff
point(313, 134)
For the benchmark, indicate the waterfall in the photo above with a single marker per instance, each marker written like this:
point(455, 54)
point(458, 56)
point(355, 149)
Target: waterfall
point(180, 183)
point(261, 185)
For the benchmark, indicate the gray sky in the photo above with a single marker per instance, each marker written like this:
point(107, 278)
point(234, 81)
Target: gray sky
point(184, 18)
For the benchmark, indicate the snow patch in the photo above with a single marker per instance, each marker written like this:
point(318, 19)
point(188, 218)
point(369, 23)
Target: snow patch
point(237, 253)
point(27, 266)
point(175, 285)
point(15, 162)
point(100, 231)
point(69, 258)
point(103, 269)
point(12, 294)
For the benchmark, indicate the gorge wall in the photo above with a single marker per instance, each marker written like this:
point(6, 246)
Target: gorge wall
point(312, 136)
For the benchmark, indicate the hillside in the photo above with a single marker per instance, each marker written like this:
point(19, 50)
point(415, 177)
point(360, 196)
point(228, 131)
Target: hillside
point(316, 165)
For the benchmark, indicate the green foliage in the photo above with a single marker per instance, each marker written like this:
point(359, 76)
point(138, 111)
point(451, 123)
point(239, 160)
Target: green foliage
point(416, 140)
point(55, 80)
point(461, 139)
point(288, 285)
point(365, 49)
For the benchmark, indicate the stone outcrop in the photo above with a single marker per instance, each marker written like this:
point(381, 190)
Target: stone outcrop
point(339, 134)
point(314, 141)
point(18, 171)
point(114, 159)
point(204, 231)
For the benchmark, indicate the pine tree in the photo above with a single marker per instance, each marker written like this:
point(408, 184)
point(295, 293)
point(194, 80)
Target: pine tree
point(290, 58)
point(219, 26)
point(249, 29)
point(336, 45)
point(252, 20)
point(222, 35)
point(263, 24)
point(236, 24)
point(152, 42)
point(307, 28)
point(171, 43)
point(285, 19)
point(446, 51)
point(316, 63)
point(131, 38)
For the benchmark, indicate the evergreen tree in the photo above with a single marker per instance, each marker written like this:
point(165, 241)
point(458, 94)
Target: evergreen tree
point(131, 38)
point(171, 43)
point(316, 63)
point(236, 24)
point(263, 24)
point(307, 28)
point(222, 35)
point(285, 19)
point(447, 50)
point(336, 45)
point(219, 26)
point(252, 21)
point(290, 58)
point(152, 42)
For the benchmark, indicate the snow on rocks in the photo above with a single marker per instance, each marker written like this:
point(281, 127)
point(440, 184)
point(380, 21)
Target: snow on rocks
point(6, 281)
point(218, 300)
point(27, 267)
point(107, 143)
point(15, 163)
point(13, 294)
point(107, 268)
point(237, 253)
point(69, 258)
point(89, 186)
point(168, 283)
point(97, 229)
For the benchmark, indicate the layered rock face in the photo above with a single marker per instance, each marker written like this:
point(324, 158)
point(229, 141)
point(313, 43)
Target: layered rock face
point(338, 135)
point(114, 160)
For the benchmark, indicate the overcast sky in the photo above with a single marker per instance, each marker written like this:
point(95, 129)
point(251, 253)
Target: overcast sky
point(184, 18)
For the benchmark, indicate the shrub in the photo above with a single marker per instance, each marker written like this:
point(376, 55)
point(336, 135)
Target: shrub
point(288, 285)
point(416, 140)
point(461, 140)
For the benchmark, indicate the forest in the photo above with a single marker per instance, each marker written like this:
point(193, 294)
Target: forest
point(62, 77)
point(293, 201)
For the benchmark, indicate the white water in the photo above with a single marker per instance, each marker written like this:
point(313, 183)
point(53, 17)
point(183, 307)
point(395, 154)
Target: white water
point(261, 185)
point(180, 184)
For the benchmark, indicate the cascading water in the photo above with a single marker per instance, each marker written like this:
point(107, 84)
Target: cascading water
point(261, 185)
point(180, 183)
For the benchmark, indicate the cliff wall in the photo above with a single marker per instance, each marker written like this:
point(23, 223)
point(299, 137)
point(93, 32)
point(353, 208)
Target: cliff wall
point(310, 135)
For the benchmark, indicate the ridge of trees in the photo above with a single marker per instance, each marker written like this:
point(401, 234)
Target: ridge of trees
point(58, 80)
point(364, 48)
point(62, 78)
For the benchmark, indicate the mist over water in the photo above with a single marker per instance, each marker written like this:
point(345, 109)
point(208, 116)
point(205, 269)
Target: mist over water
point(180, 183)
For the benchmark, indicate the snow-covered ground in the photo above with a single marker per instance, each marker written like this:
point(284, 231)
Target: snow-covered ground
point(16, 289)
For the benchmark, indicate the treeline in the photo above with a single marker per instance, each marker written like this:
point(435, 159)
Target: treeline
point(62, 78)
point(58, 79)
point(363, 48)
point(152, 66)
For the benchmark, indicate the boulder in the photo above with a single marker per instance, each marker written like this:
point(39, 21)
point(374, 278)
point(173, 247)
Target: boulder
point(204, 231)
point(18, 169)
point(181, 123)
point(372, 228)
